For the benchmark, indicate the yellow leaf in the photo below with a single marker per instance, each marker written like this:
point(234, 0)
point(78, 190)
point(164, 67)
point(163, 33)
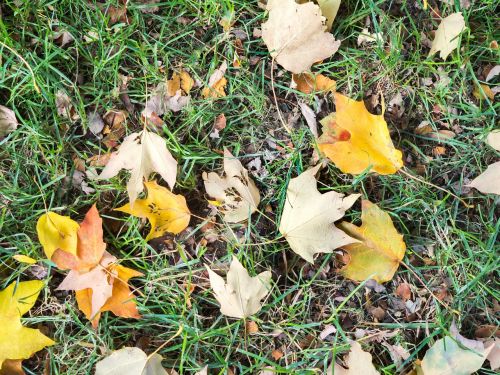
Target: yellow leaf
point(187, 82)
point(16, 341)
point(381, 249)
point(165, 211)
point(329, 9)
point(57, 232)
point(24, 259)
point(482, 92)
point(309, 83)
point(354, 139)
point(216, 83)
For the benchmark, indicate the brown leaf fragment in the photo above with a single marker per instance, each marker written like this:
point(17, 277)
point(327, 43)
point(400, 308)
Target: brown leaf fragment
point(403, 291)
point(65, 107)
point(251, 327)
point(8, 121)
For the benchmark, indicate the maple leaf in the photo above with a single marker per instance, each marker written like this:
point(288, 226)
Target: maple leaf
point(309, 83)
point(308, 217)
point(354, 139)
point(329, 9)
point(8, 121)
point(16, 341)
point(240, 296)
point(166, 212)
point(216, 83)
point(57, 232)
point(142, 153)
point(130, 361)
point(357, 361)
point(381, 249)
point(236, 191)
point(295, 35)
point(446, 38)
point(488, 182)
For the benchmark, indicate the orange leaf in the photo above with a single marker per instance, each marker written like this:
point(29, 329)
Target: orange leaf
point(309, 83)
point(355, 140)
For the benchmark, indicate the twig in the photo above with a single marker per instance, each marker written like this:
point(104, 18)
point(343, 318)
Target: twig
point(276, 100)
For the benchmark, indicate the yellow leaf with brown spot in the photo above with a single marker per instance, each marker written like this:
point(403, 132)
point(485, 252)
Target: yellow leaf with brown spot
point(381, 249)
point(57, 232)
point(310, 83)
point(166, 211)
point(356, 140)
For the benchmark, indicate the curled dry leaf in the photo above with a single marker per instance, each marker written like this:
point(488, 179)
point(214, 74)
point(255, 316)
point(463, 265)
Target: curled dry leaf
point(357, 361)
point(8, 121)
point(142, 154)
point(446, 38)
point(216, 83)
point(65, 107)
point(296, 36)
point(236, 192)
point(166, 211)
point(355, 140)
point(308, 217)
point(130, 361)
point(240, 296)
point(18, 342)
point(309, 83)
point(381, 247)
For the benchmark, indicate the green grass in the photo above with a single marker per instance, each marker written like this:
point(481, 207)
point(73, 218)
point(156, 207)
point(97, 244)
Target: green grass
point(448, 243)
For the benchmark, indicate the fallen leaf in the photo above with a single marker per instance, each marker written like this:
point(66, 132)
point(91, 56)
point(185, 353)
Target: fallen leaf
point(366, 37)
point(12, 367)
point(357, 361)
point(165, 211)
point(251, 327)
point(219, 125)
point(329, 9)
point(308, 217)
point(65, 107)
point(203, 371)
point(381, 247)
point(240, 296)
point(309, 83)
point(18, 342)
point(483, 92)
point(236, 192)
point(296, 36)
point(403, 291)
point(355, 140)
point(227, 20)
point(216, 83)
point(57, 232)
point(493, 139)
point(8, 121)
point(446, 38)
point(24, 259)
point(95, 123)
point(493, 347)
point(310, 117)
point(277, 355)
point(488, 182)
point(130, 361)
point(62, 37)
point(142, 153)
point(492, 73)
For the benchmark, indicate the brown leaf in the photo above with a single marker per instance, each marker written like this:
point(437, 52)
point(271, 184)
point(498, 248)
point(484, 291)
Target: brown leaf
point(403, 291)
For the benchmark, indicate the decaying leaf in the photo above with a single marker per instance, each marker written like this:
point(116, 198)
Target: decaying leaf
point(142, 154)
point(236, 192)
point(240, 296)
point(296, 36)
point(18, 342)
point(216, 83)
point(381, 247)
point(165, 211)
point(130, 361)
point(57, 232)
point(357, 361)
point(446, 38)
point(355, 140)
point(309, 83)
point(329, 9)
point(65, 107)
point(366, 37)
point(488, 182)
point(308, 217)
point(8, 121)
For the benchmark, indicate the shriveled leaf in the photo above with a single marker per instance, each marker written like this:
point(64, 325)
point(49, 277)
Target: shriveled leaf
point(240, 296)
point(57, 232)
point(166, 211)
point(355, 140)
point(488, 182)
point(381, 249)
point(8, 121)
point(142, 154)
point(216, 83)
point(308, 217)
point(311, 83)
point(366, 37)
point(16, 341)
point(357, 361)
point(65, 107)
point(237, 193)
point(130, 361)
point(296, 36)
point(446, 38)
point(493, 139)
point(329, 9)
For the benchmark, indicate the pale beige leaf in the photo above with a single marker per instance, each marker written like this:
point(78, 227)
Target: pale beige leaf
point(236, 191)
point(493, 139)
point(493, 347)
point(357, 361)
point(488, 182)
point(308, 217)
point(240, 296)
point(446, 38)
point(329, 9)
point(296, 36)
point(366, 37)
point(8, 121)
point(203, 371)
point(142, 153)
point(130, 361)
point(65, 107)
